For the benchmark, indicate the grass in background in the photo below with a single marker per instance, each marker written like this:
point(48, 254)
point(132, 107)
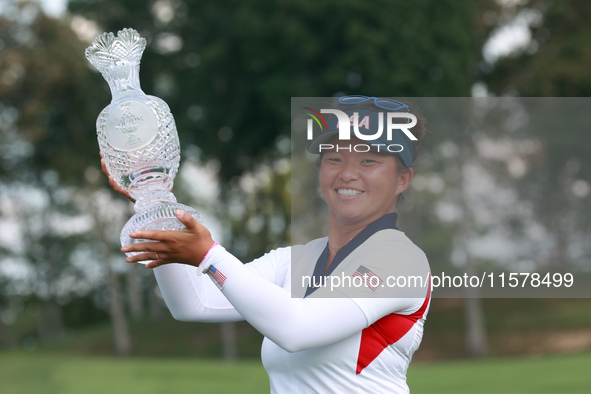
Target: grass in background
point(45, 374)
point(515, 327)
point(548, 374)
point(23, 373)
point(165, 337)
point(176, 357)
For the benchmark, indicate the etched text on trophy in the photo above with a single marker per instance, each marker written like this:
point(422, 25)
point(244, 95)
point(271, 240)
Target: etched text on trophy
point(131, 125)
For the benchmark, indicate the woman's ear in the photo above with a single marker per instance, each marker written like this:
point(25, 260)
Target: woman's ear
point(404, 180)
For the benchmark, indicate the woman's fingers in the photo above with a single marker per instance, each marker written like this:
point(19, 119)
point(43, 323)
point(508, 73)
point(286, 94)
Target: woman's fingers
point(104, 165)
point(153, 235)
point(187, 246)
point(114, 185)
point(142, 257)
point(143, 247)
point(186, 219)
point(167, 236)
point(156, 263)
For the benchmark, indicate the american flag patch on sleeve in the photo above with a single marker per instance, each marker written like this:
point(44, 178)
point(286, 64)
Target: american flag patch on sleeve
point(370, 279)
point(217, 276)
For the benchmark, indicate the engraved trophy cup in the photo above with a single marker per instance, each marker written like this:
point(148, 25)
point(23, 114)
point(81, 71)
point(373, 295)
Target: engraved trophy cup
point(137, 136)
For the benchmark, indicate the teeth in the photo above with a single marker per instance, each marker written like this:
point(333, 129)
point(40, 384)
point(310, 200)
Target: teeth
point(348, 192)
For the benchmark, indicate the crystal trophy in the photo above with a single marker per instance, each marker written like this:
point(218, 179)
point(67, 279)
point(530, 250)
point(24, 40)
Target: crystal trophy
point(137, 136)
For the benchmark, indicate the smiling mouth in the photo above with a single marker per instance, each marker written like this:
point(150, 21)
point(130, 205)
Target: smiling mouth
point(348, 192)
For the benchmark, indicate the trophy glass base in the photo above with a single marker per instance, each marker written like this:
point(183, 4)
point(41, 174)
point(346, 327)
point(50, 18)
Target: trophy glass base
point(156, 217)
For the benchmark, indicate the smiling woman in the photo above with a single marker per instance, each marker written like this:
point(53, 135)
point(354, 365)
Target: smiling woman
point(358, 337)
point(359, 188)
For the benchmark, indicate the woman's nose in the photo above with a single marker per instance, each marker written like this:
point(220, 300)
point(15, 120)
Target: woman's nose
point(349, 172)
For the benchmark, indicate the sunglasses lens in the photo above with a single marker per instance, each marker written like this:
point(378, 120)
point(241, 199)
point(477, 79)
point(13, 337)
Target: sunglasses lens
point(352, 99)
point(391, 104)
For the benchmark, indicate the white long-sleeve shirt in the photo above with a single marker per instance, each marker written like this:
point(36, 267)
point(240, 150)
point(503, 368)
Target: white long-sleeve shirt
point(344, 339)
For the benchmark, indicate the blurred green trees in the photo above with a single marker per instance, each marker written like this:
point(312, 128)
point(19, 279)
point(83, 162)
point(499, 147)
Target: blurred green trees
point(228, 71)
point(554, 64)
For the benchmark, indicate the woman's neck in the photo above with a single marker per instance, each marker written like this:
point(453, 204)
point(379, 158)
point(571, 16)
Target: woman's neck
point(340, 234)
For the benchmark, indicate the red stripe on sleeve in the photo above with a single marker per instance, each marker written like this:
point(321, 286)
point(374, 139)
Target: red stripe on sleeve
point(385, 332)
